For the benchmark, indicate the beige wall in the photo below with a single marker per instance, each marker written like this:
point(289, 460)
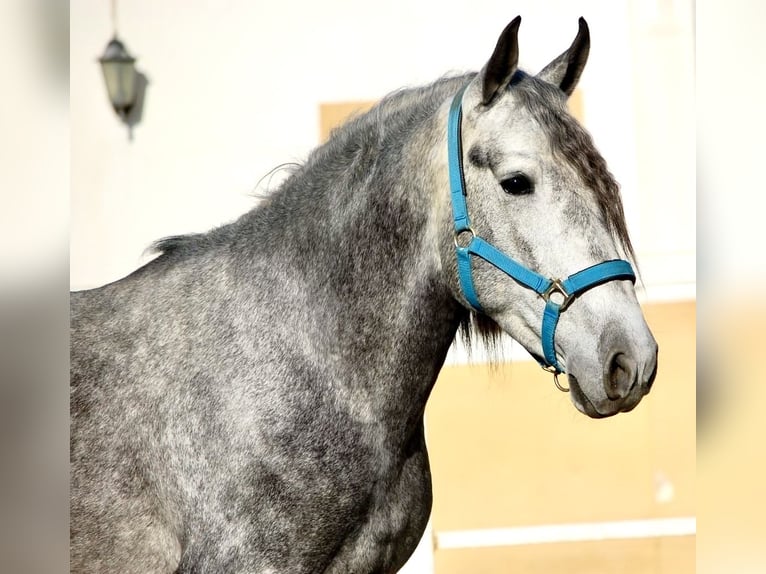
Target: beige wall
point(508, 449)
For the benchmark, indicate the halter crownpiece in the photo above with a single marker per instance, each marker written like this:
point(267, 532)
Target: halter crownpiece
point(557, 294)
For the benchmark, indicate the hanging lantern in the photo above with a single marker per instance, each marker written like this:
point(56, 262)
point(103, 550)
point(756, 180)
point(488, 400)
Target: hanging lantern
point(119, 71)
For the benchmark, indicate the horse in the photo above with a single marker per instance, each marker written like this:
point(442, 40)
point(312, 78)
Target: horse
point(252, 399)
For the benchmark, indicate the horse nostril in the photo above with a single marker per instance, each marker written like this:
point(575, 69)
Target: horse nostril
point(620, 376)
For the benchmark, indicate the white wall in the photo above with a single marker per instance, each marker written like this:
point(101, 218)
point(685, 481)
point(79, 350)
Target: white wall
point(663, 94)
point(34, 140)
point(234, 88)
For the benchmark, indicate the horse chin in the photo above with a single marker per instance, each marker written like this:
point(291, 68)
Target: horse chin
point(584, 404)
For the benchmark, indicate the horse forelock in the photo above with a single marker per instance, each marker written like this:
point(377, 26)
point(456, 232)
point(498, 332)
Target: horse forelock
point(573, 145)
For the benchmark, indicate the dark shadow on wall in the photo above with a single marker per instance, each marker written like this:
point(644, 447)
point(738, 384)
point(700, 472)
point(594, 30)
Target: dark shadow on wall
point(136, 113)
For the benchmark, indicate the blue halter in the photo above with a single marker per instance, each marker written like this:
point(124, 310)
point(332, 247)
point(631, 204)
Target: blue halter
point(565, 290)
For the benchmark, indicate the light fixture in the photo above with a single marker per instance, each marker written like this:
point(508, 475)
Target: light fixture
point(119, 71)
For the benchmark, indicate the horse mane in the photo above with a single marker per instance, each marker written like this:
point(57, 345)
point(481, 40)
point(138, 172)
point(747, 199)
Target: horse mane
point(192, 243)
point(350, 149)
point(355, 145)
point(477, 326)
point(399, 110)
point(174, 243)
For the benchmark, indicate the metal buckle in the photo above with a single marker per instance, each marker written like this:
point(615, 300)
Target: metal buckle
point(555, 372)
point(557, 287)
point(461, 233)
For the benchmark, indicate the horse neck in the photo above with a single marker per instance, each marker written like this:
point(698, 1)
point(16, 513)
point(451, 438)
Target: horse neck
point(360, 254)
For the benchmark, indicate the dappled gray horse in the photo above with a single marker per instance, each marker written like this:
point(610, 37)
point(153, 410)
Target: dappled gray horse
point(252, 399)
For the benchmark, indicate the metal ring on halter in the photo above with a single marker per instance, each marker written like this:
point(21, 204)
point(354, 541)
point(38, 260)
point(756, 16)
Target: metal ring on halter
point(555, 372)
point(558, 385)
point(556, 287)
point(461, 232)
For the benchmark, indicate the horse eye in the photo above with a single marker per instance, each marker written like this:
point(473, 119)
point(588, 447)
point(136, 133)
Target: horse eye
point(517, 184)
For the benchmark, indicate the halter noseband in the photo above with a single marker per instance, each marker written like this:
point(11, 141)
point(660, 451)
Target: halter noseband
point(565, 290)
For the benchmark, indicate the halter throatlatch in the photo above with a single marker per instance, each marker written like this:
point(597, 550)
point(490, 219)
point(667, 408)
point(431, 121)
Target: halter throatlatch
point(557, 294)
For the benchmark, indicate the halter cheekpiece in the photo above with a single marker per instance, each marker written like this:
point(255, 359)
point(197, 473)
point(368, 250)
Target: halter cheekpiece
point(557, 294)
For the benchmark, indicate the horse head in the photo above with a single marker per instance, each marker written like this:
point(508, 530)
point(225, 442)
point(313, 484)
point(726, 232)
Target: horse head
point(537, 191)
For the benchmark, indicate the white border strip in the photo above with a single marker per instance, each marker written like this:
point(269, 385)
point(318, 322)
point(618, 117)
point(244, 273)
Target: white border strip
point(524, 535)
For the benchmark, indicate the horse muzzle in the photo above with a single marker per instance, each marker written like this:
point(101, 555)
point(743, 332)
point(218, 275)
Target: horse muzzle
point(625, 381)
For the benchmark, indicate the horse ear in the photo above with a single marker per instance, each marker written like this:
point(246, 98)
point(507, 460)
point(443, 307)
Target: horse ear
point(565, 70)
point(502, 64)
